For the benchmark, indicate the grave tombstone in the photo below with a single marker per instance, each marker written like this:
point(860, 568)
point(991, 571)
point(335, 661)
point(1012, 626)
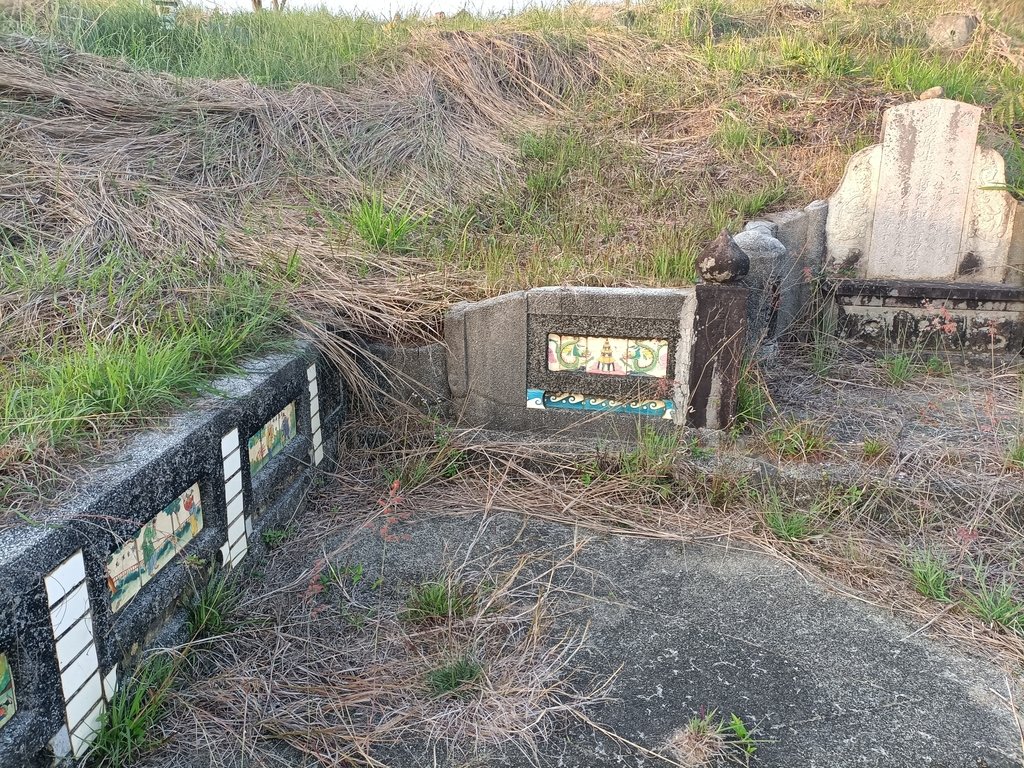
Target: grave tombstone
point(922, 223)
point(925, 204)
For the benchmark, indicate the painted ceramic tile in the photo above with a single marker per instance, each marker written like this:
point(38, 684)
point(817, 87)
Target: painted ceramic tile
point(572, 401)
point(608, 355)
point(271, 439)
point(131, 567)
point(8, 705)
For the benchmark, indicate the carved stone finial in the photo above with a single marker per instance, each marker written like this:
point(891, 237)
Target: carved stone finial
point(722, 261)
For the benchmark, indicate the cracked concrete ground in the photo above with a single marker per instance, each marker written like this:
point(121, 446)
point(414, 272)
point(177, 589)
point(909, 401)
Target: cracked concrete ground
point(828, 680)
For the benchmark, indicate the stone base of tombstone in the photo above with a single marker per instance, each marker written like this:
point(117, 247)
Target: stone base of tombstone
point(929, 315)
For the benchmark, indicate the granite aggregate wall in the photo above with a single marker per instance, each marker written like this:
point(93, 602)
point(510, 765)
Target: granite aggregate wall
point(90, 583)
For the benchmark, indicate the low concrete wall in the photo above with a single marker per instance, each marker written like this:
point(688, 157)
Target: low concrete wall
point(931, 315)
point(786, 252)
point(96, 580)
point(672, 354)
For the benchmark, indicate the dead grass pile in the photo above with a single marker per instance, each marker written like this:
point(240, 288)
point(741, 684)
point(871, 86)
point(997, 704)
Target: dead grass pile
point(99, 156)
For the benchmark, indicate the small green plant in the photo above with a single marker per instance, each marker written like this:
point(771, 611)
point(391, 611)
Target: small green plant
point(929, 576)
point(1015, 456)
point(898, 369)
point(996, 604)
point(341, 575)
point(456, 677)
point(651, 456)
point(795, 439)
point(385, 228)
point(785, 522)
point(437, 601)
point(590, 472)
point(741, 735)
point(698, 451)
point(752, 398)
point(275, 537)
point(720, 489)
point(210, 612)
point(442, 460)
point(936, 366)
point(835, 501)
point(824, 330)
point(355, 618)
point(126, 729)
point(874, 448)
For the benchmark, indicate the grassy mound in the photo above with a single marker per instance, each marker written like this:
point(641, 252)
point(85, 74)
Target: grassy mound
point(173, 197)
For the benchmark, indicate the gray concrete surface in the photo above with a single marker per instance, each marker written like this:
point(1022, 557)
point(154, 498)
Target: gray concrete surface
point(829, 681)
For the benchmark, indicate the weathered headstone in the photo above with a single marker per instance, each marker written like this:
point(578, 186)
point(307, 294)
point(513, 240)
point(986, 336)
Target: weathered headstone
point(925, 204)
point(923, 242)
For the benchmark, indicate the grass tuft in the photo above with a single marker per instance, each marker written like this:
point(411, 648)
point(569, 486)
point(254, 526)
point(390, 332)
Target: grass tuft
point(874, 448)
point(790, 439)
point(211, 612)
point(753, 399)
point(127, 726)
point(710, 740)
point(996, 604)
point(785, 521)
point(437, 601)
point(898, 369)
point(1015, 456)
point(456, 677)
point(930, 576)
point(391, 229)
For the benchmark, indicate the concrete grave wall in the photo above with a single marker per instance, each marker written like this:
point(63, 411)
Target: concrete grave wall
point(971, 317)
point(551, 358)
point(786, 251)
point(89, 585)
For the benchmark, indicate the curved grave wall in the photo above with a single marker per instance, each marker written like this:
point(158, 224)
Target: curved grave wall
point(87, 587)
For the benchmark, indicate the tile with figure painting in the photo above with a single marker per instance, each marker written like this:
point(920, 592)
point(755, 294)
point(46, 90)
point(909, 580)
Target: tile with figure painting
point(608, 355)
point(271, 438)
point(8, 705)
point(138, 560)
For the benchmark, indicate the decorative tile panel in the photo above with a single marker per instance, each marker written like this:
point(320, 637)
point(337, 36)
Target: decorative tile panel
point(572, 401)
point(8, 704)
point(271, 438)
point(133, 565)
point(608, 355)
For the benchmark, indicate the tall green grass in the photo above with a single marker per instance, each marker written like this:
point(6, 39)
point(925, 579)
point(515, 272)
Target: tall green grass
point(139, 348)
point(275, 49)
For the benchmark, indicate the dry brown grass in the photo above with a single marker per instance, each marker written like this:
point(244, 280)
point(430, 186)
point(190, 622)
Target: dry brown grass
point(869, 519)
point(329, 667)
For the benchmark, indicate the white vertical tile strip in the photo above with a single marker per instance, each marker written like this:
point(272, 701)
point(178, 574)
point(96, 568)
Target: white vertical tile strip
point(237, 545)
point(67, 597)
point(314, 415)
point(60, 743)
point(110, 683)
